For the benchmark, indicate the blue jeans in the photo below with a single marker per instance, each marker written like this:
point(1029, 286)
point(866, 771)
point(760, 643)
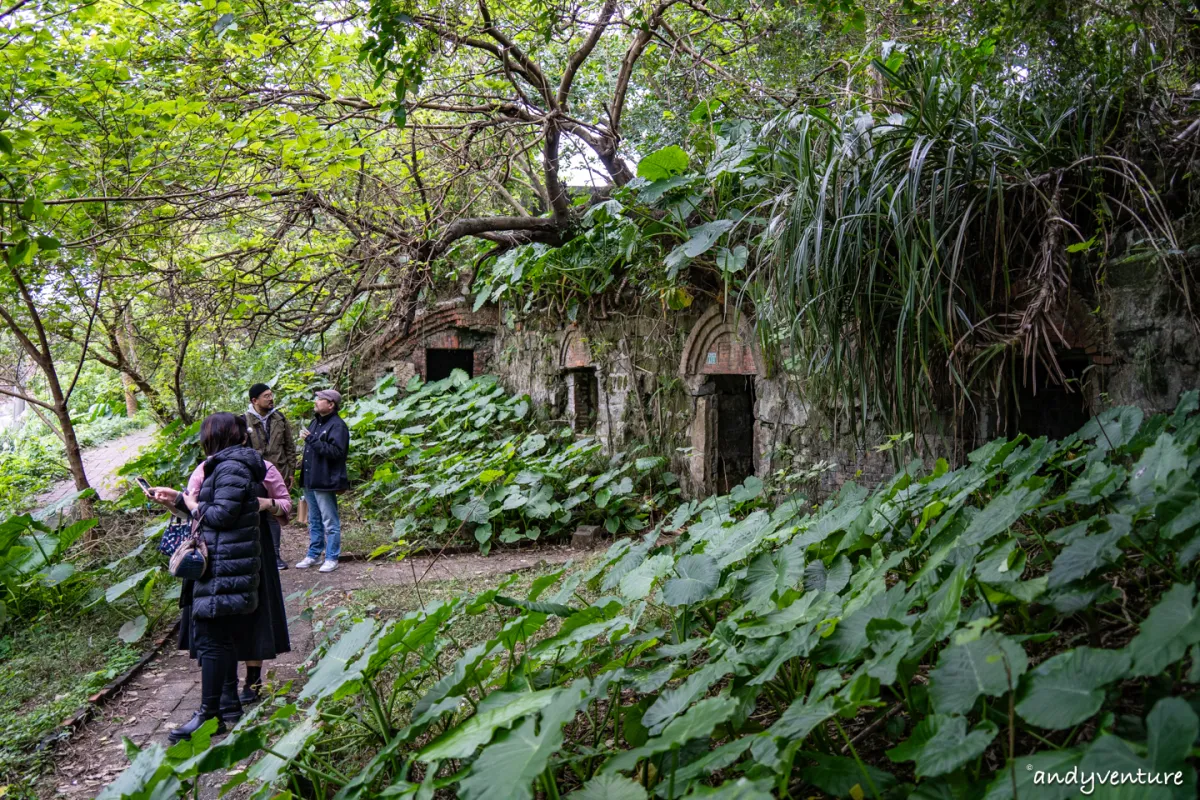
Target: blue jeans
point(324, 525)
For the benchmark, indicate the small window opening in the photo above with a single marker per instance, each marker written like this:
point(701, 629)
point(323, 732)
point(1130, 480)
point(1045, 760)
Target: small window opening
point(439, 363)
point(582, 398)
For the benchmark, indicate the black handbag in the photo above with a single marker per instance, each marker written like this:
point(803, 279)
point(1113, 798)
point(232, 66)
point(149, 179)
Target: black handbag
point(173, 536)
point(190, 561)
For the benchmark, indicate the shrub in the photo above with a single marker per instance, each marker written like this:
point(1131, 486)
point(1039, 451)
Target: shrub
point(955, 633)
point(462, 458)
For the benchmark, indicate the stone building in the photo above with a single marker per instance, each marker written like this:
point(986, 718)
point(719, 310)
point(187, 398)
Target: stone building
point(696, 385)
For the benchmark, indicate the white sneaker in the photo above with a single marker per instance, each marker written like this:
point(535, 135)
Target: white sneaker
point(305, 563)
point(328, 566)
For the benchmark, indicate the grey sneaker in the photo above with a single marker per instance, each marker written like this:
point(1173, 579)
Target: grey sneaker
point(328, 566)
point(305, 563)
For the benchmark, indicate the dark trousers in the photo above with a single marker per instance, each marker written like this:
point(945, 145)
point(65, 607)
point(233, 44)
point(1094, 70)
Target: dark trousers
point(216, 650)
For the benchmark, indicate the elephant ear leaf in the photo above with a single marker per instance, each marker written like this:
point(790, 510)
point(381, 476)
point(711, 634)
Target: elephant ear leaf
point(941, 744)
point(1173, 727)
point(988, 666)
point(1172, 626)
point(696, 577)
point(1068, 688)
point(609, 787)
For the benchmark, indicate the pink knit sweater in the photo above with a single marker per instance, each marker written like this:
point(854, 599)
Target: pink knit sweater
point(274, 483)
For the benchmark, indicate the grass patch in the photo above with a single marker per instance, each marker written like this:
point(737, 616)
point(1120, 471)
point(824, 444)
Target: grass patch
point(362, 536)
point(47, 671)
point(51, 662)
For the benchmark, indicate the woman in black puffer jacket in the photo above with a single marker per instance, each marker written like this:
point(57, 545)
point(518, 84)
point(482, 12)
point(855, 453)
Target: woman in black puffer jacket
point(225, 597)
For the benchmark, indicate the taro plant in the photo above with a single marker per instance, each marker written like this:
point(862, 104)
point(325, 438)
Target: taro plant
point(463, 459)
point(169, 462)
point(956, 633)
point(34, 576)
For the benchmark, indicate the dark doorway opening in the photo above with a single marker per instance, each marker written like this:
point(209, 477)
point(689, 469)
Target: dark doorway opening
point(1057, 410)
point(583, 398)
point(439, 363)
point(735, 431)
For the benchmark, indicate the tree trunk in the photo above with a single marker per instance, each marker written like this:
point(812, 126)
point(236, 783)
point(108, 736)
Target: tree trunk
point(131, 406)
point(71, 442)
point(125, 346)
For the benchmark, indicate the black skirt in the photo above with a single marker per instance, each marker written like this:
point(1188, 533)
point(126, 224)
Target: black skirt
point(260, 635)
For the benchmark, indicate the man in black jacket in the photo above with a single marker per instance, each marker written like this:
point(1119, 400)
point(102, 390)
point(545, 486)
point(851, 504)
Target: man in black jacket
point(323, 475)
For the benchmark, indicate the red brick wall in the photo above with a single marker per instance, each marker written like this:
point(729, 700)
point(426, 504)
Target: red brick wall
point(728, 356)
point(451, 328)
point(577, 354)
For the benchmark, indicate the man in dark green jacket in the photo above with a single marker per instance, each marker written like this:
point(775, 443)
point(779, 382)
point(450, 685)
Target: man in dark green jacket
point(271, 435)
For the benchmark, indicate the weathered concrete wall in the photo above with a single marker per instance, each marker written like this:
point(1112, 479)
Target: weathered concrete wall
point(657, 379)
point(1153, 346)
point(655, 388)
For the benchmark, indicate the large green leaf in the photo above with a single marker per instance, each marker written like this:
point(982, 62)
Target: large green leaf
point(696, 577)
point(941, 613)
point(662, 164)
point(772, 574)
point(134, 629)
point(941, 744)
point(1031, 776)
point(1098, 481)
point(1002, 512)
point(1067, 689)
point(819, 578)
point(332, 670)
point(673, 702)
point(119, 590)
point(462, 740)
point(1172, 728)
point(842, 777)
point(507, 767)
point(697, 722)
point(609, 787)
point(1153, 471)
point(1112, 428)
point(638, 583)
point(1084, 556)
point(1172, 626)
point(981, 667)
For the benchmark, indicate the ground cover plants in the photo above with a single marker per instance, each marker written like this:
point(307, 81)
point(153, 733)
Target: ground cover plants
point(956, 633)
point(463, 461)
point(77, 602)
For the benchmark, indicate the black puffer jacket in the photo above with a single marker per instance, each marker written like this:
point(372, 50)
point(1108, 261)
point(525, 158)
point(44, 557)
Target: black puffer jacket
point(228, 512)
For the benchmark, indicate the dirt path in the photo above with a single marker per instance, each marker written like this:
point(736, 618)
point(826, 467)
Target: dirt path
point(101, 465)
point(167, 691)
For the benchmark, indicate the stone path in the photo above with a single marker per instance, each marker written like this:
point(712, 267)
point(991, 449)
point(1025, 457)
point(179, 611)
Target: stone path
point(167, 691)
point(101, 465)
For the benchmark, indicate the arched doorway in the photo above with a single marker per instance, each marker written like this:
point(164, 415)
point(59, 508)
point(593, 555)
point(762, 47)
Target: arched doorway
point(720, 366)
point(578, 370)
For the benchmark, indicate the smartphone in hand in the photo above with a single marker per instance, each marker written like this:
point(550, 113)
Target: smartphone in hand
point(142, 482)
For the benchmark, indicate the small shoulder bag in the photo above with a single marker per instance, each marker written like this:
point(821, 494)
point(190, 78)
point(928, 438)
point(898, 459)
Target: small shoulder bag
point(190, 559)
point(177, 530)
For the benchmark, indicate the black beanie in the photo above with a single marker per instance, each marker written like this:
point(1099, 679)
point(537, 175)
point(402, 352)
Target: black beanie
point(258, 389)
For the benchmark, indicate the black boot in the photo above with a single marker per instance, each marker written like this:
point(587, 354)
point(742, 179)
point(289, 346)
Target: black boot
point(214, 670)
point(249, 693)
point(231, 704)
point(186, 730)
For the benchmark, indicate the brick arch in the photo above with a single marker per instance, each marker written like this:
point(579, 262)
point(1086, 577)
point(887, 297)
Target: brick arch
point(716, 347)
point(574, 352)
